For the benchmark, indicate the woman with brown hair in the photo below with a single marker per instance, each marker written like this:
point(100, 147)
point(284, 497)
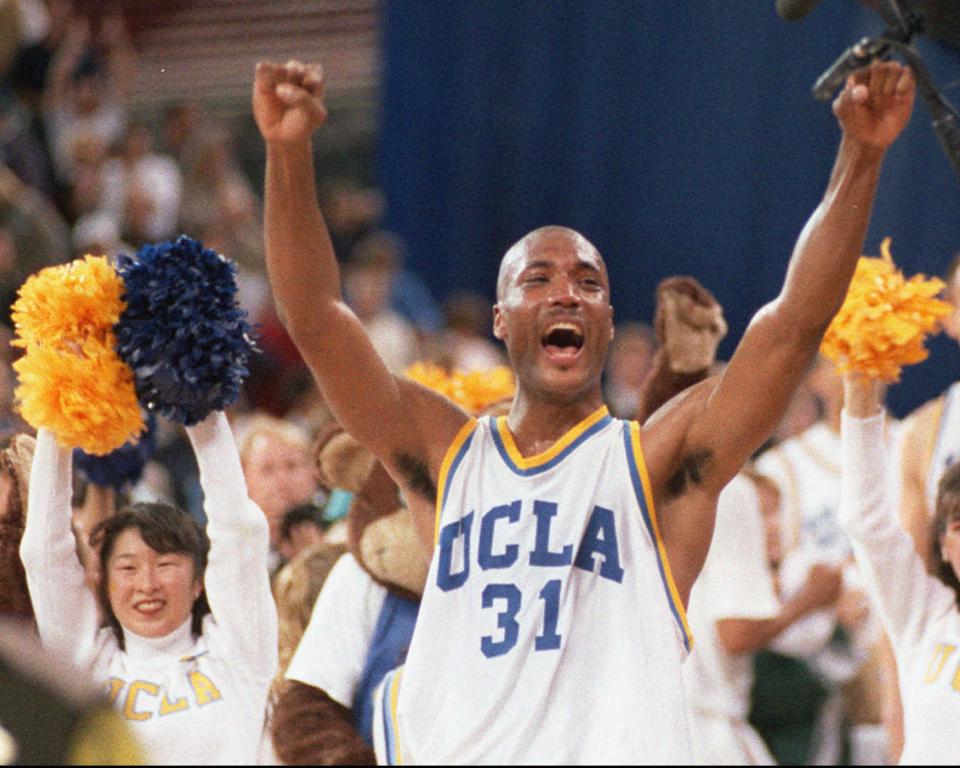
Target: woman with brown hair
point(920, 612)
point(191, 647)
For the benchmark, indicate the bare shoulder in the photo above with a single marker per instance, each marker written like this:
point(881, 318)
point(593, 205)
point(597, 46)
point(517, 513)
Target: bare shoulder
point(438, 421)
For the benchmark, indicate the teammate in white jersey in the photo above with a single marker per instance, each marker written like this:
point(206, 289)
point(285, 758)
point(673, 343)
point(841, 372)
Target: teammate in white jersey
point(921, 612)
point(552, 625)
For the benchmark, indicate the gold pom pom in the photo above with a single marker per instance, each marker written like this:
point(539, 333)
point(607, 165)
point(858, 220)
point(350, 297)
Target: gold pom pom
point(477, 390)
point(473, 391)
point(71, 380)
point(884, 320)
point(72, 301)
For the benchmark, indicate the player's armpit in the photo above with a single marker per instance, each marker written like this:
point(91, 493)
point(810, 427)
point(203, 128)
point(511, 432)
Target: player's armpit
point(750, 395)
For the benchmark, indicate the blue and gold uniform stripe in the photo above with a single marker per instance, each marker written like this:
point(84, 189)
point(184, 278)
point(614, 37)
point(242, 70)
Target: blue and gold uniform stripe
point(391, 730)
point(448, 467)
point(525, 467)
point(641, 486)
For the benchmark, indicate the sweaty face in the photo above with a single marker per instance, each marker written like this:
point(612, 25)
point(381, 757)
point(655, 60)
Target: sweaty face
point(151, 593)
point(554, 314)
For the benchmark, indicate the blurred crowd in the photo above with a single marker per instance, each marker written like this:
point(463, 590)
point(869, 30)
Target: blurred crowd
point(79, 174)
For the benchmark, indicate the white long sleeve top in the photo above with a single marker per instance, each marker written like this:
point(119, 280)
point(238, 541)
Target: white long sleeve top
point(189, 699)
point(919, 612)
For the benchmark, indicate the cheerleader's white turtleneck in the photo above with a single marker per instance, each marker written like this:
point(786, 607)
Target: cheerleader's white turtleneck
point(188, 699)
point(919, 611)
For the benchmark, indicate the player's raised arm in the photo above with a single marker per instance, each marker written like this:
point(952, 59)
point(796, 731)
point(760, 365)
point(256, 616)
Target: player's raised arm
point(406, 426)
point(716, 426)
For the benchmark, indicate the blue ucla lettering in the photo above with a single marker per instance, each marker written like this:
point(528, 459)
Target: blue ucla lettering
point(541, 555)
point(600, 538)
point(485, 556)
point(446, 579)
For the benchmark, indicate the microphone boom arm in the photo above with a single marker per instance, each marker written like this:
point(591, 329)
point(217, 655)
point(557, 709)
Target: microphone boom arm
point(946, 119)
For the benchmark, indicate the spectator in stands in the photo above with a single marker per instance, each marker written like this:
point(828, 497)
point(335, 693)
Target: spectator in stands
point(216, 192)
point(735, 610)
point(46, 23)
point(277, 466)
point(302, 528)
point(368, 283)
point(628, 365)
point(138, 169)
point(21, 149)
point(88, 89)
point(180, 132)
point(98, 234)
point(464, 343)
point(32, 236)
point(352, 211)
point(806, 470)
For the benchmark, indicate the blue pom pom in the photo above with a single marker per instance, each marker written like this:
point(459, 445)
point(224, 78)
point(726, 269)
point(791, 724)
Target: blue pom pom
point(122, 466)
point(183, 334)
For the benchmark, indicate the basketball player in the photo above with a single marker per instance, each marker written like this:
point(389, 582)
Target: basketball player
point(552, 625)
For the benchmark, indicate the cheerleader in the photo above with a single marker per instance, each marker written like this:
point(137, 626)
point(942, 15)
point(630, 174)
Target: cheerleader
point(190, 649)
point(921, 612)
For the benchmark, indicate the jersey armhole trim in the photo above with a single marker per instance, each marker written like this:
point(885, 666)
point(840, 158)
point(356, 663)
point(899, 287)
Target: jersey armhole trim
point(641, 486)
point(451, 461)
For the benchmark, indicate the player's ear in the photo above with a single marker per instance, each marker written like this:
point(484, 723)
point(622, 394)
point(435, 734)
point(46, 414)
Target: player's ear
point(499, 330)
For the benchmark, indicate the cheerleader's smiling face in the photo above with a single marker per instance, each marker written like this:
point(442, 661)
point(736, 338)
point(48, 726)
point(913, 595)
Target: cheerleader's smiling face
point(151, 593)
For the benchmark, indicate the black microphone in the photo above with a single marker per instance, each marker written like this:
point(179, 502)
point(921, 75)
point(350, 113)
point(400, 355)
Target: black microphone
point(855, 57)
point(794, 10)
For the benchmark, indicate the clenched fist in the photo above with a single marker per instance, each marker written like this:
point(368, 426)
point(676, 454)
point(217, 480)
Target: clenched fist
point(876, 103)
point(288, 101)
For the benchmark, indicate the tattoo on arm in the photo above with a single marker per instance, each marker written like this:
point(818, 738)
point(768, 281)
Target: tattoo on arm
point(691, 472)
point(416, 476)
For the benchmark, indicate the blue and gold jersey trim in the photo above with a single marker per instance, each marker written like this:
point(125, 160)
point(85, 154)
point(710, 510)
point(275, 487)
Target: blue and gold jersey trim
point(451, 461)
point(525, 467)
point(641, 486)
point(391, 728)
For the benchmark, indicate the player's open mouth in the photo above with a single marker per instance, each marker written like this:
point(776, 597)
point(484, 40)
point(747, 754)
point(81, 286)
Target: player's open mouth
point(562, 341)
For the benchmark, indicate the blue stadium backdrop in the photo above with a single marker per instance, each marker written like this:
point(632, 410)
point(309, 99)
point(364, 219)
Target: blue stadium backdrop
point(679, 136)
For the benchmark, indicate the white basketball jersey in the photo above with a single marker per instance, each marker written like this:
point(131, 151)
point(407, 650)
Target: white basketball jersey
point(946, 450)
point(550, 629)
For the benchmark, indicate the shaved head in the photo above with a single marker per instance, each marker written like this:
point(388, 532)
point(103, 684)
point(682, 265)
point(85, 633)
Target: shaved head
point(518, 252)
